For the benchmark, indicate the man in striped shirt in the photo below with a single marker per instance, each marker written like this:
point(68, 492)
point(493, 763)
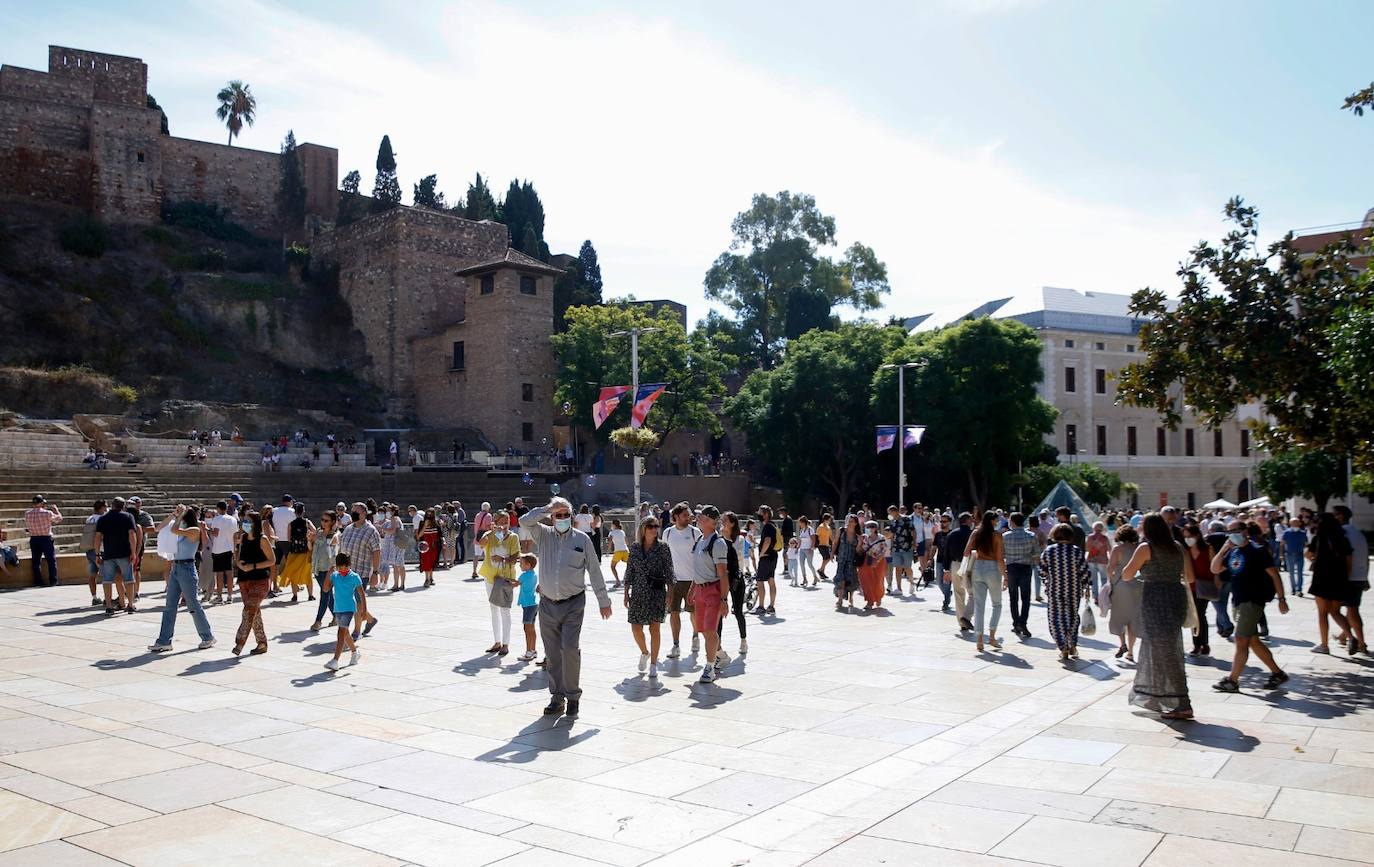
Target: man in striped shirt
point(1020, 549)
point(363, 545)
point(39, 522)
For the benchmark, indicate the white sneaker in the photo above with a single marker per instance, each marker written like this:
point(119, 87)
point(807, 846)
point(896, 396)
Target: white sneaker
point(206, 644)
point(356, 655)
point(708, 674)
point(743, 647)
point(528, 656)
point(332, 665)
point(675, 653)
point(643, 661)
point(696, 643)
point(653, 671)
point(159, 648)
point(722, 659)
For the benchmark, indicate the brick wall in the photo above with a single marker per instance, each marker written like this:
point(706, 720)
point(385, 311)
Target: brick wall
point(126, 163)
point(114, 79)
point(243, 182)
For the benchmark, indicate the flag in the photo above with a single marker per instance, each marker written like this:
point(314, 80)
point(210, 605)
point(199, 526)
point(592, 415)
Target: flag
point(644, 401)
point(887, 437)
point(606, 403)
point(913, 435)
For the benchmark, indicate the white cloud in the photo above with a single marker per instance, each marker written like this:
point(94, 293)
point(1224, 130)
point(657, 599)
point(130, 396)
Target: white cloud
point(648, 139)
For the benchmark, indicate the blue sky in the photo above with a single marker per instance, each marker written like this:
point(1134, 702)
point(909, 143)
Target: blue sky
point(981, 147)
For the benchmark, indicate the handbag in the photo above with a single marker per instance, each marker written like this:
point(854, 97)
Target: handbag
point(1206, 589)
point(502, 593)
point(1104, 598)
point(1087, 623)
point(1190, 621)
point(966, 567)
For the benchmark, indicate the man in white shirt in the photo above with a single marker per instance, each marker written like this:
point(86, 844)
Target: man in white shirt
point(223, 529)
point(680, 536)
point(282, 516)
point(1359, 578)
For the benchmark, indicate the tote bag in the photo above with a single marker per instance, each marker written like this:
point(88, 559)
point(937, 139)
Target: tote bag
point(1087, 622)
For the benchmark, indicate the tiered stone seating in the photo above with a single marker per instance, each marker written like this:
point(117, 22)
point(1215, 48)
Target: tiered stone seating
point(24, 449)
point(164, 452)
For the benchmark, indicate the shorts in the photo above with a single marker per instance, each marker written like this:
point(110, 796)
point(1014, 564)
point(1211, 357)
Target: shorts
point(1356, 595)
point(825, 551)
point(901, 559)
point(280, 550)
point(223, 561)
point(921, 549)
point(620, 556)
point(527, 615)
point(1248, 616)
point(92, 567)
point(680, 595)
point(344, 619)
point(767, 566)
point(706, 606)
point(109, 566)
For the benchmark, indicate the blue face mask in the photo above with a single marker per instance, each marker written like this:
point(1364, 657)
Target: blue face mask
point(1238, 539)
point(247, 526)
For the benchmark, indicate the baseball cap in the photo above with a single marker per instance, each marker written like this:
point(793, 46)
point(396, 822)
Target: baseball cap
point(287, 497)
point(236, 497)
point(38, 498)
point(136, 500)
point(1168, 509)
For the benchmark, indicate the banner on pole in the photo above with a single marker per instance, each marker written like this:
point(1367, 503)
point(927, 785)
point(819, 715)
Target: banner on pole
point(644, 401)
point(913, 435)
point(606, 403)
point(887, 437)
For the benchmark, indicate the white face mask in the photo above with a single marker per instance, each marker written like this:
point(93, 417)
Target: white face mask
point(1192, 541)
point(562, 525)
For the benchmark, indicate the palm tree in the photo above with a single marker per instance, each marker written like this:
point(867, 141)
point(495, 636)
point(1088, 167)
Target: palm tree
point(237, 106)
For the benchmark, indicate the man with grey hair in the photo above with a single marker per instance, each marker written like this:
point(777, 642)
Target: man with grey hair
point(565, 555)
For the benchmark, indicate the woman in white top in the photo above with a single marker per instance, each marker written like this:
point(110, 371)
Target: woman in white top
point(583, 519)
point(806, 544)
point(620, 551)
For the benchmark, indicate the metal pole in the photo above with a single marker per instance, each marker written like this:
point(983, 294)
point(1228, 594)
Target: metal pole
point(901, 435)
point(634, 395)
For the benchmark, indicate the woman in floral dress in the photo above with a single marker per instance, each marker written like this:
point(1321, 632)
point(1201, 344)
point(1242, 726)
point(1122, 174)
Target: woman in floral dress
point(648, 575)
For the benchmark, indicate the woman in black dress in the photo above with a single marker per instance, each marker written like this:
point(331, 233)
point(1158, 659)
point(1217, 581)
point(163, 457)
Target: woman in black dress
point(1329, 552)
point(253, 560)
point(648, 575)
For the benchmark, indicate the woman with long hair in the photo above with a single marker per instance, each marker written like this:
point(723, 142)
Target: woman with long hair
point(1164, 570)
point(847, 558)
point(873, 549)
point(648, 575)
point(324, 547)
point(595, 531)
point(253, 561)
point(1330, 554)
point(989, 577)
point(1204, 587)
point(296, 572)
point(431, 544)
point(1123, 621)
point(1064, 571)
point(730, 531)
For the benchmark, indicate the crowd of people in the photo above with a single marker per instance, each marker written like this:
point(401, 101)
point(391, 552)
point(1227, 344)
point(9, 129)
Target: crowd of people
point(1153, 577)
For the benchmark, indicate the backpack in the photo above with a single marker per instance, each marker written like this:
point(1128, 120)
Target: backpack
point(731, 556)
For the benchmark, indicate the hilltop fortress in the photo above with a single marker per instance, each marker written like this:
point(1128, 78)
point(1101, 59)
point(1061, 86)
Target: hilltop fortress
point(457, 324)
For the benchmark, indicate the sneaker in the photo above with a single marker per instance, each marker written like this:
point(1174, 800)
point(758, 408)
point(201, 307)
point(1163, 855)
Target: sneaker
point(332, 665)
point(354, 657)
point(675, 653)
point(708, 674)
point(696, 643)
point(159, 648)
point(95, 602)
point(643, 662)
point(759, 611)
point(722, 659)
point(743, 647)
point(653, 671)
point(1353, 647)
point(1321, 648)
point(206, 644)
point(1276, 680)
point(1226, 684)
point(772, 610)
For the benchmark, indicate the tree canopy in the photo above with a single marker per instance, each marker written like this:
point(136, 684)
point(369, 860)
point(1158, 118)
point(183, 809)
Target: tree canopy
point(587, 359)
point(523, 214)
point(238, 107)
point(291, 186)
point(1097, 486)
point(578, 286)
point(1312, 473)
point(777, 280)
point(427, 194)
point(1270, 326)
point(386, 190)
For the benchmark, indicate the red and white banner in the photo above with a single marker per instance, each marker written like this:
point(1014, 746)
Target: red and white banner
point(606, 403)
point(644, 401)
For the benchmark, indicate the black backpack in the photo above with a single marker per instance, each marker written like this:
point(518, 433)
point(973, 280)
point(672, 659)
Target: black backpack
point(731, 555)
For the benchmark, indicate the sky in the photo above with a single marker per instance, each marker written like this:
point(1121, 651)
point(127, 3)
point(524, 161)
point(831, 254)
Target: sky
point(981, 147)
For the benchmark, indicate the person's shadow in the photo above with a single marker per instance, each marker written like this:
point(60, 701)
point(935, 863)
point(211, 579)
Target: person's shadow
point(478, 664)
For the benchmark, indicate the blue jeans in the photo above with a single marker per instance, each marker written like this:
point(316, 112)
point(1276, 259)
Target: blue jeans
point(1293, 565)
point(120, 565)
point(41, 548)
point(1222, 605)
point(459, 544)
point(326, 597)
point(1098, 572)
point(183, 582)
point(946, 588)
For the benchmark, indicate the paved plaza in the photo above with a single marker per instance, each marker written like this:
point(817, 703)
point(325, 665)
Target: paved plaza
point(841, 739)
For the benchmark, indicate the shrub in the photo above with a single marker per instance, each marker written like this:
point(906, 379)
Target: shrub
point(126, 394)
point(639, 441)
point(85, 236)
point(163, 237)
point(298, 254)
point(208, 220)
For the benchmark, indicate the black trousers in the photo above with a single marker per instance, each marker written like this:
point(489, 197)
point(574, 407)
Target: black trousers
point(1019, 589)
point(41, 548)
point(737, 607)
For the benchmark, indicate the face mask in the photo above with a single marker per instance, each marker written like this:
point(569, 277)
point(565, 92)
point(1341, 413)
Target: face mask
point(562, 525)
point(247, 526)
point(1238, 539)
point(344, 570)
point(1192, 541)
point(357, 516)
point(500, 534)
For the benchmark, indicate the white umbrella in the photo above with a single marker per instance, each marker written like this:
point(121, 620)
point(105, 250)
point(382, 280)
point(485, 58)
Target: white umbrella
point(1257, 501)
point(1223, 503)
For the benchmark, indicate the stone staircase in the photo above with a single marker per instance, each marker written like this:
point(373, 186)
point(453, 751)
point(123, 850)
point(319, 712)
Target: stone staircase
point(164, 452)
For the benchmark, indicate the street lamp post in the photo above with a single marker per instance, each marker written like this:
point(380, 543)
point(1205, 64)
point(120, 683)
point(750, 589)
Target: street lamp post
point(901, 424)
point(636, 460)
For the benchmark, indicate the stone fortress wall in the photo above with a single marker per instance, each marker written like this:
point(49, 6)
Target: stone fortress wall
point(81, 135)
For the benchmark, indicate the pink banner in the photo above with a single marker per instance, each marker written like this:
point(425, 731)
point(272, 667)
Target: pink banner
point(606, 403)
point(644, 401)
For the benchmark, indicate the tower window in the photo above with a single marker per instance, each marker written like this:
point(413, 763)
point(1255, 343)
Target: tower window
point(527, 432)
point(1217, 443)
point(1102, 439)
point(1100, 381)
point(1071, 438)
point(1130, 440)
point(1188, 447)
point(1160, 438)
point(527, 392)
point(1245, 445)
point(488, 284)
point(457, 355)
point(528, 285)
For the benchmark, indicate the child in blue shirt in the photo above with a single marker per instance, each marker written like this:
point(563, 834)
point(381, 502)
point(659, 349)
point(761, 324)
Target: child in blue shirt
point(529, 602)
point(347, 589)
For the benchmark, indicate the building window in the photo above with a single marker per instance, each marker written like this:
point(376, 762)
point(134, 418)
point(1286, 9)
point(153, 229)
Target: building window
point(1071, 438)
point(527, 285)
point(1192, 500)
point(1070, 379)
point(1160, 440)
point(488, 284)
point(1245, 445)
point(1130, 347)
point(457, 355)
point(1217, 444)
point(1068, 344)
point(1100, 346)
point(527, 432)
point(140, 156)
point(1100, 381)
point(527, 392)
point(1130, 440)
point(1188, 448)
point(1102, 439)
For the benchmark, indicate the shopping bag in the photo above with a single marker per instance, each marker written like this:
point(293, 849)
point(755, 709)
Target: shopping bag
point(1087, 623)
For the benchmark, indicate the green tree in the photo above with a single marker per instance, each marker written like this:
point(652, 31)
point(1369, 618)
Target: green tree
point(529, 242)
point(775, 262)
point(1096, 485)
point(521, 210)
point(152, 103)
point(976, 396)
point(350, 200)
point(478, 204)
point(1360, 100)
point(291, 186)
point(1253, 326)
point(427, 194)
point(588, 359)
point(1312, 473)
point(810, 419)
point(237, 107)
point(578, 286)
point(386, 190)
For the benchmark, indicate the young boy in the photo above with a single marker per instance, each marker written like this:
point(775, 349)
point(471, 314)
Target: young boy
point(347, 588)
point(529, 602)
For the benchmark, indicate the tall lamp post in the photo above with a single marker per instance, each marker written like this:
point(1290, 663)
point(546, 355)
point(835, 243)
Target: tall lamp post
point(637, 460)
point(901, 424)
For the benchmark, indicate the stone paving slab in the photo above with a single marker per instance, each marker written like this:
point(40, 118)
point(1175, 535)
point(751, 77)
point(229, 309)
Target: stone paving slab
point(840, 738)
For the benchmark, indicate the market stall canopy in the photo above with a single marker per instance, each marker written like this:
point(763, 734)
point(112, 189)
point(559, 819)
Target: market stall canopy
point(1223, 503)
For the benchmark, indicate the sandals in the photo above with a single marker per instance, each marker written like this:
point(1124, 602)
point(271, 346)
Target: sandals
point(1321, 648)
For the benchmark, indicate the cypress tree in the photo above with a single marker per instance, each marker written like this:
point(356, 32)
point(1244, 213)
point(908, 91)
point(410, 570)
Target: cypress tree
point(291, 189)
point(427, 194)
point(479, 204)
point(386, 190)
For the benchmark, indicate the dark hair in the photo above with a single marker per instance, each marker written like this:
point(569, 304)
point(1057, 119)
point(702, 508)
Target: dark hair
point(679, 509)
point(342, 559)
point(256, 519)
point(584, 509)
point(984, 538)
point(1156, 532)
point(1126, 535)
point(300, 509)
point(98, 505)
point(1017, 519)
point(1062, 533)
point(191, 517)
point(730, 521)
point(1330, 535)
point(1343, 512)
point(596, 508)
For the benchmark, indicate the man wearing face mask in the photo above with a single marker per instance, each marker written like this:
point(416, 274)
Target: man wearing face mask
point(1254, 581)
point(363, 545)
point(565, 555)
